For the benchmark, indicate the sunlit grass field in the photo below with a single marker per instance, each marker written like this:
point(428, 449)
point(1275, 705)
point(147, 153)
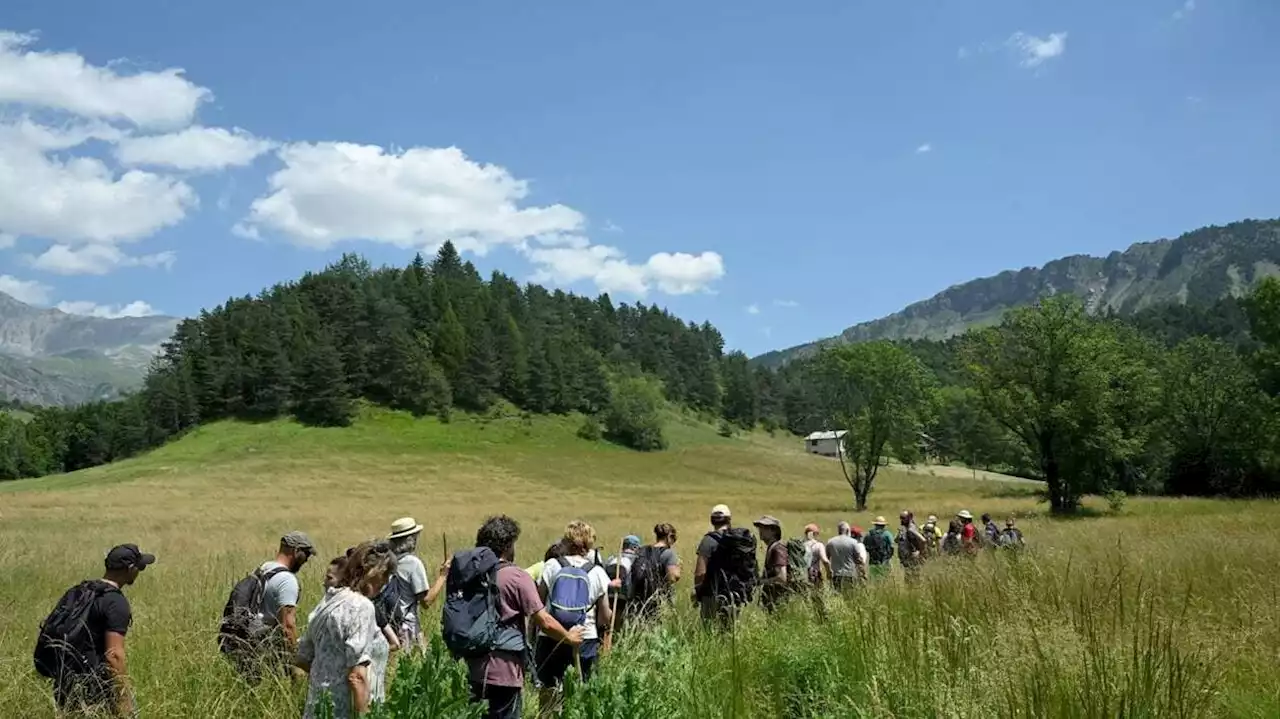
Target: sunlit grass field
point(1170, 607)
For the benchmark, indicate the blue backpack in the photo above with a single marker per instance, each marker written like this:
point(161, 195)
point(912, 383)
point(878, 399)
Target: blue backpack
point(569, 598)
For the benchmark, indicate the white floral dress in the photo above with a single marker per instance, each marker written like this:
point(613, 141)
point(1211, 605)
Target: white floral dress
point(342, 633)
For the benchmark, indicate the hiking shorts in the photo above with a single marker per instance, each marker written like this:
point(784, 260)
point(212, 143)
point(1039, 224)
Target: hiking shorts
point(552, 659)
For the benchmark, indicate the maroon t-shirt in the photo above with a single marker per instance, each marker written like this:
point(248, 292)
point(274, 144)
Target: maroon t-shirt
point(517, 601)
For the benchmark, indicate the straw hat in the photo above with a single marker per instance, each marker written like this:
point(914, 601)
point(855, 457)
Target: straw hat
point(879, 521)
point(403, 527)
point(965, 514)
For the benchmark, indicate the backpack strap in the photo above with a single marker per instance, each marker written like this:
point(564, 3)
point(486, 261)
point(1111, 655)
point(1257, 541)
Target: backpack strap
point(563, 562)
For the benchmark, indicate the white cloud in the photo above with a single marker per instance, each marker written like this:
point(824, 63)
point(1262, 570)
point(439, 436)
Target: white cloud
point(607, 267)
point(786, 303)
point(1035, 51)
point(137, 308)
point(95, 259)
point(753, 309)
point(80, 199)
point(28, 291)
point(7, 240)
point(926, 147)
point(609, 226)
point(65, 81)
point(194, 148)
point(1187, 8)
point(329, 192)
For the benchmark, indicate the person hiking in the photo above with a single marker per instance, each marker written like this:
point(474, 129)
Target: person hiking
point(879, 544)
point(968, 532)
point(576, 592)
point(724, 577)
point(847, 564)
point(953, 542)
point(259, 630)
point(81, 645)
point(1011, 537)
point(386, 612)
point(342, 651)
point(775, 579)
point(409, 585)
point(618, 569)
point(653, 572)
point(992, 531)
point(932, 536)
point(819, 562)
point(911, 545)
point(496, 669)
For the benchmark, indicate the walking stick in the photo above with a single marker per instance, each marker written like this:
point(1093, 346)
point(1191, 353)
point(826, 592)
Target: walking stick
point(617, 576)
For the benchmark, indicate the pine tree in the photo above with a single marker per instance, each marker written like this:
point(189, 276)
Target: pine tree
point(322, 389)
point(451, 345)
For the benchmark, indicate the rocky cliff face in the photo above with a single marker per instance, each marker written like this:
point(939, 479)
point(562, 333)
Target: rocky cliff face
point(51, 357)
point(1200, 266)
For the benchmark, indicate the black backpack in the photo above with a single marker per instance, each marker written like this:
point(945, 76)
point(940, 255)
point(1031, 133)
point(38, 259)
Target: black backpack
point(648, 576)
point(731, 568)
point(64, 646)
point(391, 601)
point(243, 628)
point(470, 623)
point(879, 546)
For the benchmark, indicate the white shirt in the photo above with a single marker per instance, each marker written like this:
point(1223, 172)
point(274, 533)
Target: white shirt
point(597, 586)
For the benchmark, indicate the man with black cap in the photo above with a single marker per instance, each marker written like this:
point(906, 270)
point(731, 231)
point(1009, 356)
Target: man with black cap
point(280, 594)
point(81, 644)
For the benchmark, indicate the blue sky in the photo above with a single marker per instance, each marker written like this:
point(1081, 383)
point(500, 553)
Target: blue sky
point(782, 169)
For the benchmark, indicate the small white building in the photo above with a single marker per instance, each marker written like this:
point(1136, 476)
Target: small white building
point(826, 443)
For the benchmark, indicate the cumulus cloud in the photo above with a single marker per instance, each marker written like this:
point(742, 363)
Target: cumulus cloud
point(607, 267)
point(1187, 8)
point(28, 291)
point(1034, 51)
point(753, 309)
point(332, 192)
point(96, 259)
point(137, 308)
point(328, 192)
point(194, 148)
point(926, 147)
point(65, 81)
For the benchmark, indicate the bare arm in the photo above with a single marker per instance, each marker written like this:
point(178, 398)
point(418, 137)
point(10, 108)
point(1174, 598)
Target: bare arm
point(604, 623)
point(700, 572)
point(553, 629)
point(393, 641)
point(358, 683)
point(119, 673)
point(442, 577)
point(673, 573)
point(288, 618)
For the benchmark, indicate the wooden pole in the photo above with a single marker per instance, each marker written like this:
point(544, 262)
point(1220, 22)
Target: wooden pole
point(617, 575)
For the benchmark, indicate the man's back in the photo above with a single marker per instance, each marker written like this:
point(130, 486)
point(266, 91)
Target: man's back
point(281, 590)
point(843, 552)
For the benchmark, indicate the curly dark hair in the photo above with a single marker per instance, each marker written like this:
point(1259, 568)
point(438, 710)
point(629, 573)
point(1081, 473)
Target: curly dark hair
point(499, 534)
point(665, 532)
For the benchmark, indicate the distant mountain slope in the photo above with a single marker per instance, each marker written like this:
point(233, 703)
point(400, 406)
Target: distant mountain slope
point(51, 357)
point(1198, 267)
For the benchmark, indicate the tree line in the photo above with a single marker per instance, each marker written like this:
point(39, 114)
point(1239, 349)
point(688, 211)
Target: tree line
point(1173, 399)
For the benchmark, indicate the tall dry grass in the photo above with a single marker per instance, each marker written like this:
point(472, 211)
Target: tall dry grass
point(1169, 609)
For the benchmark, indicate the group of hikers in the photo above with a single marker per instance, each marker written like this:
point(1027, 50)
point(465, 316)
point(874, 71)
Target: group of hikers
point(500, 618)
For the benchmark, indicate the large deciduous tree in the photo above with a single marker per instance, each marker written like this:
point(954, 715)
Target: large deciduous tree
point(882, 396)
point(1074, 390)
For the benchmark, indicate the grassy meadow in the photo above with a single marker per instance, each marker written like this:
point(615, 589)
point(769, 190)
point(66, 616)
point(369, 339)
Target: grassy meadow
point(1170, 607)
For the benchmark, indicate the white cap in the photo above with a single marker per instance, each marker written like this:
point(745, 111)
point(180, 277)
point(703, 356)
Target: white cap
point(721, 509)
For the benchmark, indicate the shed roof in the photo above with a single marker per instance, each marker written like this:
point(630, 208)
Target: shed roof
point(829, 434)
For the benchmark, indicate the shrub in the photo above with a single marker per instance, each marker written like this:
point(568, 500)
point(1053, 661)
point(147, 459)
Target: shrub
point(634, 416)
point(726, 429)
point(590, 429)
point(1115, 500)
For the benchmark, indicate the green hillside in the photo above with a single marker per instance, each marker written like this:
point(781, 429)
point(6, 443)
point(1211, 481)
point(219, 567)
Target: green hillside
point(1197, 268)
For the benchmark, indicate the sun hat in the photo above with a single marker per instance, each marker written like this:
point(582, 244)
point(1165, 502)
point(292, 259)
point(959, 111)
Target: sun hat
point(128, 556)
point(630, 541)
point(811, 527)
point(855, 531)
point(720, 510)
point(403, 527)
point(879, 522)
point(767, 521)
point(964, 514)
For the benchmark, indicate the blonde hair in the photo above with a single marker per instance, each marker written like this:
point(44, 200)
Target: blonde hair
point(579, 537)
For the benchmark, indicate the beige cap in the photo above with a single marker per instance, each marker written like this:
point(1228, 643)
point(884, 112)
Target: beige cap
point(722, 510)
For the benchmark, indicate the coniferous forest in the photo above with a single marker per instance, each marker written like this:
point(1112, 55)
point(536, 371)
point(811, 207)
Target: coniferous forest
point(1177, 399)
